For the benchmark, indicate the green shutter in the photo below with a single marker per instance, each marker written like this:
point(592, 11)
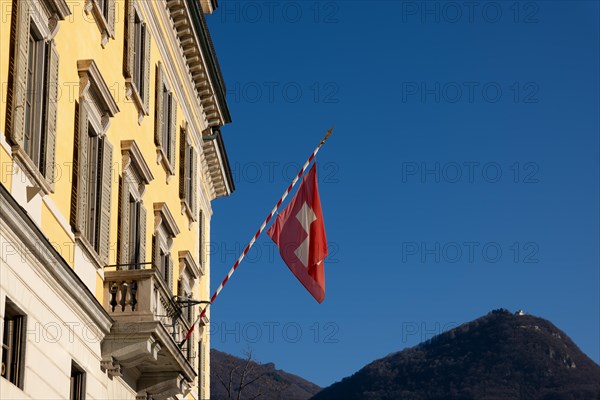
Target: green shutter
point(19, 37)
point(51, 106)
point(146, 67)
point(173, 132)
point(129, 52)
point(169, 276)
point(82, 170)
point(124, 244)
point(194, 185)
point(111, 17)
point(107, 152)
point(158, 106)
point(182, 164)
point(202, 227)
point(155, 252)
point(142, 231)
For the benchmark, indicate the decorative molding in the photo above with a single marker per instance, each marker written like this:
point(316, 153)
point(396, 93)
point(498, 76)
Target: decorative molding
point(163, 214)
point(187, 263)
point(92, 7)
point(59, 8)
point(131, 93)
point(91, 80)
point(132, 155)
point(23, 161)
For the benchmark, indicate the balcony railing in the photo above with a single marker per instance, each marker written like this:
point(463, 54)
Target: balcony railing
point(143, 340)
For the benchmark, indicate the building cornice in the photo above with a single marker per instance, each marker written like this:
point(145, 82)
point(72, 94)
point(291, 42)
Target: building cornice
point(38, 246)
point(201, 59)
point(218, 165)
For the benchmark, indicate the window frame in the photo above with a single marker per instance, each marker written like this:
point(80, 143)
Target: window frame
point(136, 66)
point(188, 167)
point(132, 185)
point(34, 148)
point(35, 100)
point(79, 378)
point(93, 111)
point(103, 12)
point(165, 231)
point(13, 313)
point(165, 122)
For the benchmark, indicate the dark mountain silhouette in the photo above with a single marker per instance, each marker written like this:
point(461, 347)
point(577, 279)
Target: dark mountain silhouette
point(270, 383)
point(498, 356)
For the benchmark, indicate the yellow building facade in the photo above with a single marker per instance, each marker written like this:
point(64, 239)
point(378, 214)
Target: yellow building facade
point(111, 153)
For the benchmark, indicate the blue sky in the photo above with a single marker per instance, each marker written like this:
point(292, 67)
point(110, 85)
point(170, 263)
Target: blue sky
point(463, 174)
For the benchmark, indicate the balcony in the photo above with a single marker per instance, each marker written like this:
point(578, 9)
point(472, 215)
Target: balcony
point(142, 344)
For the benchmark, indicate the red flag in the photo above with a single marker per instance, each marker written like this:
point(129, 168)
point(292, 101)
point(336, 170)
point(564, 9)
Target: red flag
point(299, 232)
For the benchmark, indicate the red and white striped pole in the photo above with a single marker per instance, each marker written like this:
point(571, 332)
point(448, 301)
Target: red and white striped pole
point(257, 234)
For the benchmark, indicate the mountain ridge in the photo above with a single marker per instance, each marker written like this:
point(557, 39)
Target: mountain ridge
point(270, 384)
point(498, 356)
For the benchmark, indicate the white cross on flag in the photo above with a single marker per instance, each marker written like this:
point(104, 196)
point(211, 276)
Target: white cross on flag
point(299, 232)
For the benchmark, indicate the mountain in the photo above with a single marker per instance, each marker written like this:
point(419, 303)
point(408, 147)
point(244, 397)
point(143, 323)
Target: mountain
point(269, 382)
point(498, 356)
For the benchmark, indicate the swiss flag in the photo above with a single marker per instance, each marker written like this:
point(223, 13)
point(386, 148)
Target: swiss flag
point(299, 232)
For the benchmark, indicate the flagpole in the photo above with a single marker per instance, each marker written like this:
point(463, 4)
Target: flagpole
point(257, 234)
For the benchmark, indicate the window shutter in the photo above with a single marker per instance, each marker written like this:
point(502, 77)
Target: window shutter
point(182, 165)
point(194, 184)
point(124, 221)
point(129, 53)
point(16, 94)
point(142, 231)
point(202, 237)
point(82, 168)
point(169, 274)
point(146, 67)
point(173, 133)
point(202, 368)
point(75, 172)
point(158, 106)
point(111, 17)
point(107, 151)
point(155, 252)
point(51, 105)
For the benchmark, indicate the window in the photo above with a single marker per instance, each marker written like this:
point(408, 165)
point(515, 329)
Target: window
point(188, 176)
point(162, 242)
point(132, 227)
point(165, 265)
point(92, 169)
point(136, 209)
point(132, 213)
point(34, 98)
point(33, 92)
point(137, 59)
point(13, 345)
point(165, 122)
point(104, 14)
point(77, 383)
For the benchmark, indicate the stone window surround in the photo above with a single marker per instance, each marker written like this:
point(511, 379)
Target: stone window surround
point(97, 106)
point(106, 24)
